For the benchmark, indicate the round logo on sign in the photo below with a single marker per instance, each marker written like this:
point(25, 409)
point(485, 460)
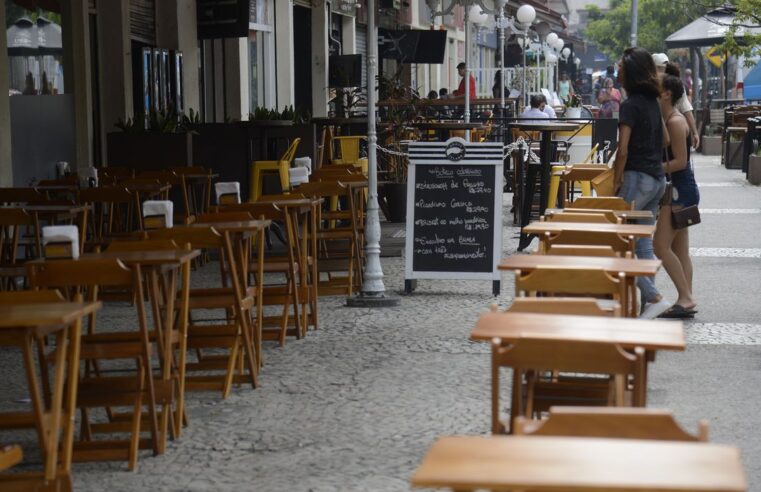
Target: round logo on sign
point(455, 151)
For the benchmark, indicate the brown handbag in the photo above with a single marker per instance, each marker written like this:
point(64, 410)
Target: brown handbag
point(685, 217)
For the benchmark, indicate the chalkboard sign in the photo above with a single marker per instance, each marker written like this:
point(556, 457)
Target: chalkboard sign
point(454, 211)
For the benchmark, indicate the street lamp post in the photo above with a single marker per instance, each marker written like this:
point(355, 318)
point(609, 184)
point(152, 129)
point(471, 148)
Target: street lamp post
point(373, 293)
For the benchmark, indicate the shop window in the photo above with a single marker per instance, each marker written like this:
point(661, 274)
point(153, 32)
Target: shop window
point(35, 51)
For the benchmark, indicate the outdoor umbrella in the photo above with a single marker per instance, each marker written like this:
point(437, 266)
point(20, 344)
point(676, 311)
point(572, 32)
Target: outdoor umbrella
point(708, 30)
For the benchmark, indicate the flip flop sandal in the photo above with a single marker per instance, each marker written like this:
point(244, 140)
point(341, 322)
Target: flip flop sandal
point(678, 312)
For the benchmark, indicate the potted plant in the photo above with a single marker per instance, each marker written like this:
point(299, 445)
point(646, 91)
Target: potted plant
point(159, 140)
point(394, 129)
point(573, 106)
point(711, 141)
point(754, 167)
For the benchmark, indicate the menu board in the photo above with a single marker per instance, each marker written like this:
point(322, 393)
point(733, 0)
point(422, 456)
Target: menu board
point(454, 210)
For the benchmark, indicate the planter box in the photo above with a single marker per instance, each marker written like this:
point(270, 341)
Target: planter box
point(149, 151)
point(754, 169)
point(734, 157)
point(712, 145)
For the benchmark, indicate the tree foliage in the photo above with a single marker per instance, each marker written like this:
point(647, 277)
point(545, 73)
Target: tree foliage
point(748, 15)
point(611, 31)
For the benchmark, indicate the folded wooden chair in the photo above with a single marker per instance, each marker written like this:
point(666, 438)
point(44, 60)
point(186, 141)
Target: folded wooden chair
point(20, 235)
point(528, 356)
point(115, 386)
point(597, 202)
point(113, 213)
point(233, 332)
point(621, 245)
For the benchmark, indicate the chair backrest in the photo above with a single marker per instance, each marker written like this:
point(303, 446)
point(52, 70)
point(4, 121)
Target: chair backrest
point(81, 272)
point(619, 244)
point(197, 237)
point(165, 176)
point(20, 195)
point(349, 147)
point(13, 223)
point(190, 170)
point(105, 195)
point(577, 306)
point(116, 172)
point(595, 202)
point(598, 218)
point(143, 245)
point(257, 210)
point(224, 215)
point(30, 297)
point(571, 281)
point(322, 189)
point(580, 250)
point(611, 422)
point(290, 152)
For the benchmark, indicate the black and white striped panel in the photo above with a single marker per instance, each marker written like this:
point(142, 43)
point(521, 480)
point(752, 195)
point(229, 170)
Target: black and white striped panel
point(455, 151)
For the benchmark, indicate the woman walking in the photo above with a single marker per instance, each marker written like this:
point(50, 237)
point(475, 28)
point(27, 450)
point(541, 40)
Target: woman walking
point(609, 99)
point(672, 246)
point(638, 167)
point(565, 88)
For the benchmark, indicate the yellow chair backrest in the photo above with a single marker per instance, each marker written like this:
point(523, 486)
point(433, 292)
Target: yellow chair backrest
point(349, 147)
point(290, 153)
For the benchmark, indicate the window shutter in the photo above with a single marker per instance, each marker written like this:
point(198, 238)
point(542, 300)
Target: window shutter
point(142, 21)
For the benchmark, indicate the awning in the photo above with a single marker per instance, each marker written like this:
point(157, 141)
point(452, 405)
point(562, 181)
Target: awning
point(752, 84)
point(708, 30)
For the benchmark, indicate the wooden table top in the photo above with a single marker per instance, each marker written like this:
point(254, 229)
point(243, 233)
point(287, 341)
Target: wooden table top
point(636, 230)
point(624, 214)
point(157, 257)
point(533, 463)
point(629, 266)
point(148, 187)
point(44, 314)
point(627, 332)
point(541, 127)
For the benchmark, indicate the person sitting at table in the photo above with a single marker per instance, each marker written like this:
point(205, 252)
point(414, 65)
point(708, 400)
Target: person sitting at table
point(638, 171)
point(460, 92)
point(546, 108)
point(534, 112)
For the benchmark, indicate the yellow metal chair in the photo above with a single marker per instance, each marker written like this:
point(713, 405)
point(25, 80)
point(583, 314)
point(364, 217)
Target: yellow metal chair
point(349, 151)
point(281, 166)
point(557, 176)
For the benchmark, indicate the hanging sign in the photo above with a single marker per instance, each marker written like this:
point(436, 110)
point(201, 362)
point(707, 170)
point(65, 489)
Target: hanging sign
point(454, 211)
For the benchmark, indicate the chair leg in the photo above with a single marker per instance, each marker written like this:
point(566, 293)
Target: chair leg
point(285, 182)
point(137, 413)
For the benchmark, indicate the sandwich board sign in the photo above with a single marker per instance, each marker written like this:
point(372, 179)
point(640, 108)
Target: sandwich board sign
point(454, 211)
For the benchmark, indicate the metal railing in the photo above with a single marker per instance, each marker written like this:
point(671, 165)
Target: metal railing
point(537, 78)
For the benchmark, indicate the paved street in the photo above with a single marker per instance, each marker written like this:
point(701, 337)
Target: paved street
point(355, 405)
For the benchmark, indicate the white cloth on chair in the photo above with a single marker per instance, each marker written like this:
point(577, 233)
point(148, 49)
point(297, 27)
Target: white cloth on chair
point(298, 175)
point(303, 162)
point(62, 234)
point(160, 207)
point(227, 188)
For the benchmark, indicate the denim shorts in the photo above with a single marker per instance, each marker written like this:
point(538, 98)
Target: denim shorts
point(644, 190)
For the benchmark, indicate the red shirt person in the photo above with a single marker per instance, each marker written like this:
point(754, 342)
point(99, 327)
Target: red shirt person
point(461, 88)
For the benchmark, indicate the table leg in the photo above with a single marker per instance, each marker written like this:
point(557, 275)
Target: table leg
point(546, 158)
point(70, 405)
point(51, 451)
point(527, 200)
point(184, 312)
point(82, 231)
point(38, 407)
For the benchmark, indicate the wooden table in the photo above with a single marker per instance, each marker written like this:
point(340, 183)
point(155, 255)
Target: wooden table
point(573, 464)
point(625, 230)
point(542, 170)
point(626, 332)
point(21, 325)
point(630, 267)
point(160, 268)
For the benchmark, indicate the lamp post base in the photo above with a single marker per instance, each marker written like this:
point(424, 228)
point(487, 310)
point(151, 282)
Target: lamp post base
point(372, 300)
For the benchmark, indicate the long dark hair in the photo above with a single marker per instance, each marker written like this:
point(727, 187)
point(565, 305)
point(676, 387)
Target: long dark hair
point(638, 73)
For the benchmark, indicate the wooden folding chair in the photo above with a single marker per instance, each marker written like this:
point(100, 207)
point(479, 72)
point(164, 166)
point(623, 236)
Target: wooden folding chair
point(112, 213)
point(99, 387)
point(610, 422)
point(527, 356)
point(580, 250)
point(235, 332)
point(339, 247)
point(604, 217)
point(621, 245)
point(19, 233)
point(571, 280)
point(10, 196)
point(577, 306)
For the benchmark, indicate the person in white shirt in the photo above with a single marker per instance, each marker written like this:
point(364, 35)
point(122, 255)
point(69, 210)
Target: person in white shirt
point(683, 104)
point(535, 111)
point(546, 108)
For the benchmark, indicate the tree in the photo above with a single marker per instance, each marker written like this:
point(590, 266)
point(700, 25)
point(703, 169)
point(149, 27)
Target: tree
point(657, 20)
point(748, 15)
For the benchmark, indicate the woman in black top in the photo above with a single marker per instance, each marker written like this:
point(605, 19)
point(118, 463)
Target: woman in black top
point(673, 245)
point(639, 175)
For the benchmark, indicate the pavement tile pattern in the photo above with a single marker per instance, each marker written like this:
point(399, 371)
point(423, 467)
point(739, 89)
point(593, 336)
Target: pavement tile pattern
point(355, 405)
